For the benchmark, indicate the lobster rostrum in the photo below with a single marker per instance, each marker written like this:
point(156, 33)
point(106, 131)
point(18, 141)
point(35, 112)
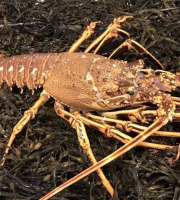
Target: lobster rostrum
point(85, 83)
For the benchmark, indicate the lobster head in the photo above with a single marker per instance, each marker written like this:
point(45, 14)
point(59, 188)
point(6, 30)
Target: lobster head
point(112, 78)
point(166, 81)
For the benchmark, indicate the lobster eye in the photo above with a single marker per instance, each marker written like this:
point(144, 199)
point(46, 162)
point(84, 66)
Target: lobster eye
point(130, 92)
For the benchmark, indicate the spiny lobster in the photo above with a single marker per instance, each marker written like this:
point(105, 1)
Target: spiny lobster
point(82, 83)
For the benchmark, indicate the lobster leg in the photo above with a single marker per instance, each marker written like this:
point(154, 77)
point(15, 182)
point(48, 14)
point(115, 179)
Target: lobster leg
point(151, 114)
point(112, 31)
point(165, 113)
point(108, 130)
point(128, 126)
point(131, 44)
point(176, 99)
point(138, 129)
point(134, 115)
point(84, 141)
point(86, 34)
point(160, 122)
point(28, 115)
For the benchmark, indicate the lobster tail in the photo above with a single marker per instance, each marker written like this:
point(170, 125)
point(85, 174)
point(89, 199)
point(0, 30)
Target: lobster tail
point(29, 70)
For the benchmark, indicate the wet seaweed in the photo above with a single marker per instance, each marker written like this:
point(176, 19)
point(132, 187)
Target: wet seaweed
point(46, 153)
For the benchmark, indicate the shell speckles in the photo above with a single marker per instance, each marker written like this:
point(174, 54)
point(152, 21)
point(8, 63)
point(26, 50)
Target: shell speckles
point(83, 56)
point(95, 59)
point(34, 70)
point(98, 95)
point(21, 68)
point(10, 69)
point(89, 77)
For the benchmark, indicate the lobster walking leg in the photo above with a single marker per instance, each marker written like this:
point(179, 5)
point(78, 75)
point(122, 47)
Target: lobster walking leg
point(151, 114)
point(113, 30)
point(138, 129)
point(131, 44)
point(84, 141)
point(161, 121)
point(135, 114)
point(128, 126)
point(176, 99)
point(86, 34)
point(165, 113)
point(28, 115)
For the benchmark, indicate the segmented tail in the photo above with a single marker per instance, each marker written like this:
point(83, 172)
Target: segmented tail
point(29, 70)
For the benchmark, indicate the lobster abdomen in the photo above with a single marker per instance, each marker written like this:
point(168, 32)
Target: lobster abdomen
point(29, 70)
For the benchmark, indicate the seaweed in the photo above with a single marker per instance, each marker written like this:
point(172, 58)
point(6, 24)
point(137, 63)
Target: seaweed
point(46, 153)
